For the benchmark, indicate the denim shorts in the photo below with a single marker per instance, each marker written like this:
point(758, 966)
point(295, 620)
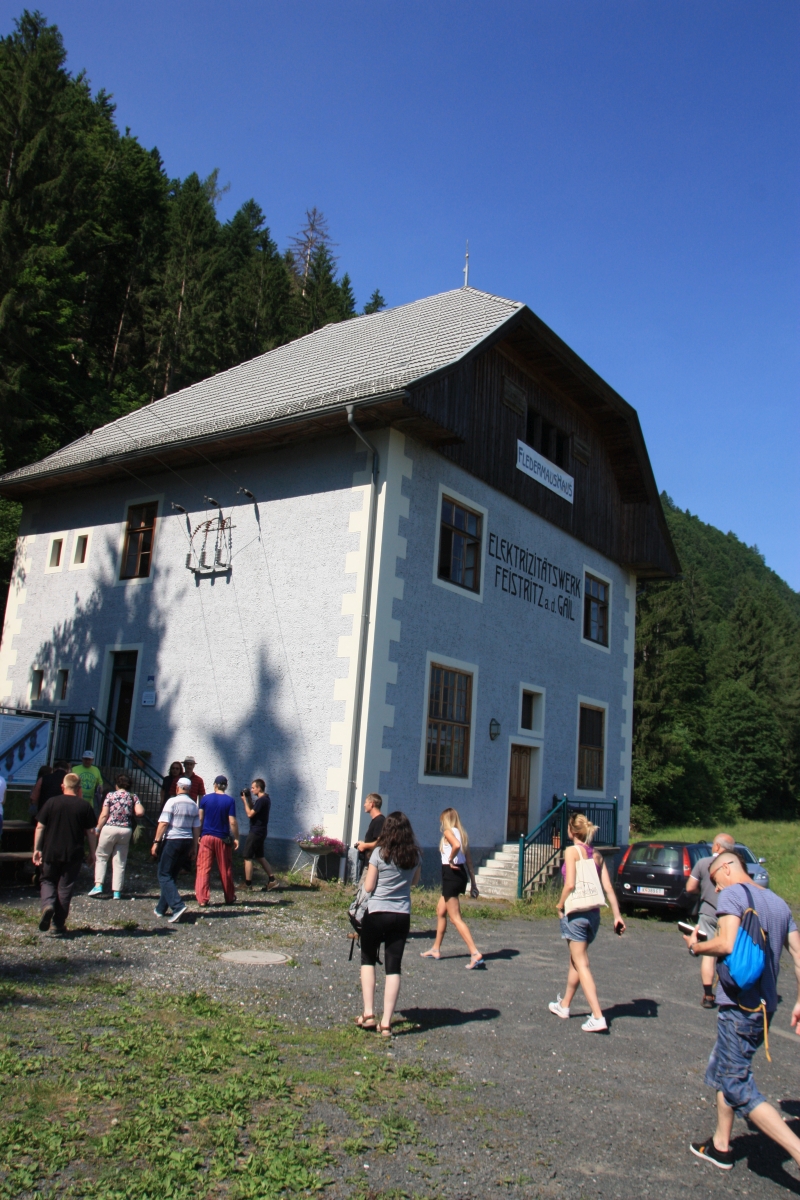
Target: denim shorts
point(581, 926)
point(739, 1034)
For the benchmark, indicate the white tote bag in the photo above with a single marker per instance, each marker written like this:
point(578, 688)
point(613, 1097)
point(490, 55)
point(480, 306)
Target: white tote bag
point(588, 891)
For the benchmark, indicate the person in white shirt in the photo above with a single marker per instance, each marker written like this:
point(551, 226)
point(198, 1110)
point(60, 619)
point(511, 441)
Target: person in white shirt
point(456, 873)
point(179, 829)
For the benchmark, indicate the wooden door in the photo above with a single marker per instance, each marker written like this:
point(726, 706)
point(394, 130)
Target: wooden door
point(519, 787)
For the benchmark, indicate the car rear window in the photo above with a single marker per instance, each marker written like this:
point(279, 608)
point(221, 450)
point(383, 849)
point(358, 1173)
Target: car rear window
point(698, 852)
point(746, 854)
point(656, 854)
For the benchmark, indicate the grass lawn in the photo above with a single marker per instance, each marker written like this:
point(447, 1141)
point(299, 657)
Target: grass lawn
point(776, 841)
point(113, 1092)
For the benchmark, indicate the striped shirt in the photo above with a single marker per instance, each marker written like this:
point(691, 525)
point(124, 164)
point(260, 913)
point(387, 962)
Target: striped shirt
point(182, 815)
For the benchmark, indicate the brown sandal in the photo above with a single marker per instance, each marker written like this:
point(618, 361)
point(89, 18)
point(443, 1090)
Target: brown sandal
point(367, 1021)
point(385, 1030)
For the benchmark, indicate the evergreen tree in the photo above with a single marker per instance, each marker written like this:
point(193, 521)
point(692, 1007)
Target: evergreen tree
point(375, 303)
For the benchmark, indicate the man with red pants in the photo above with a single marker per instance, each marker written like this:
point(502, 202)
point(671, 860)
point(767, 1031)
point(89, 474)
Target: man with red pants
point(219, 837)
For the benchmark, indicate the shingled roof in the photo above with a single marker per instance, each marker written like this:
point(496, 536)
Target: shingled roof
point(342, 363)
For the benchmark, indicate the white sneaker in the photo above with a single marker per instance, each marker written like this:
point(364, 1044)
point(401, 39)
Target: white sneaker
point(557, 1008)
point(595, 1025)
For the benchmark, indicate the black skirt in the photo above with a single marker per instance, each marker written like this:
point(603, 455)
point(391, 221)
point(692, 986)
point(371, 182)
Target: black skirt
point(454, 881)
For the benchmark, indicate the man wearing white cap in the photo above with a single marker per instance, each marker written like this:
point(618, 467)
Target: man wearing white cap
point(179, 830)
point(91, 781)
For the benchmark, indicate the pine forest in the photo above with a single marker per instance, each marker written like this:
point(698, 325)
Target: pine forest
point(119, 285)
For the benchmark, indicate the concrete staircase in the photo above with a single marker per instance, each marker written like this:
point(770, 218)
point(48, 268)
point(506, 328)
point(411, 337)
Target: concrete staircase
point(497, 878)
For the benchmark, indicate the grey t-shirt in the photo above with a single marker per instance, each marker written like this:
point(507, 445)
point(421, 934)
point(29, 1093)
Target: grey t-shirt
point(393, 890)
point(708, 893)
point(776, 920)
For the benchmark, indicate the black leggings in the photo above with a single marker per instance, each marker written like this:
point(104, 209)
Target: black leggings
point(389, 927)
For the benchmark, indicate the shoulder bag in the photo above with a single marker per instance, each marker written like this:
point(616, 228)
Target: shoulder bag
point(588, 891)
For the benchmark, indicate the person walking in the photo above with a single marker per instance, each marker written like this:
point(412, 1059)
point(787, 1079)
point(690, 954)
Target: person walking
point(744, 1017)
point(51, 784)
point(114, 832)
point(700, 881)
point(219, 837)
point(372, 807)
point(169, 786)
point(456, 872)
point(91, 780)
point(58, 848)
point(257, 805)
point(585, 879)
point(36, 791)
point(198, 788)
point(394, 868)
point(177, 835)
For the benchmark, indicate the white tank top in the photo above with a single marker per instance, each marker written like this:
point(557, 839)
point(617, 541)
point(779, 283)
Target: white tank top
point(446, 848)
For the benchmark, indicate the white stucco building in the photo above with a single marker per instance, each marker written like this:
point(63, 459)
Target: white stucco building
point(223, 573)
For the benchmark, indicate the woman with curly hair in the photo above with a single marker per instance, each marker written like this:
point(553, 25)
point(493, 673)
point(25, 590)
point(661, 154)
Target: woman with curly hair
point(456, 863)
point(393, 870)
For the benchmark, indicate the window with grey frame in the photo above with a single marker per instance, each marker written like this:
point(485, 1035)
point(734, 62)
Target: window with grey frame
point(591, 746)
point(449, 718)
point(460, 545)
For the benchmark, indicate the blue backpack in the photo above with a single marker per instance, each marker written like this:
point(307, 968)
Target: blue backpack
point(741, 970)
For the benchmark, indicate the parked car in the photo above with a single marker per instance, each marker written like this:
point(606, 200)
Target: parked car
point(755, 866)
point(653, 874)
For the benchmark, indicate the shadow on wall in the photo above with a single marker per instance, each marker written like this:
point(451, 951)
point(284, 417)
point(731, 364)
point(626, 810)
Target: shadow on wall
point(250, 724)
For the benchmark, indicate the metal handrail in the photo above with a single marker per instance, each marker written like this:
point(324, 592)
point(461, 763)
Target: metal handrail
point(76, 732)
point(546, 843)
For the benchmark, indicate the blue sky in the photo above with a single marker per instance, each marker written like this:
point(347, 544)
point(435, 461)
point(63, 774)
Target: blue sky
point(628, 169)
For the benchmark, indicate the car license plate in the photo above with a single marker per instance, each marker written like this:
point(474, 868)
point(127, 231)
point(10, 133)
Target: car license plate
point(645, 891)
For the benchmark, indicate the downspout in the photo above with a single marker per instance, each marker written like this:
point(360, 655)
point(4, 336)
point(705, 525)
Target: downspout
point(363, 638)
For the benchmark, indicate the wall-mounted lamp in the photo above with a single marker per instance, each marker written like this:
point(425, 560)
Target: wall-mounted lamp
point(494, 729)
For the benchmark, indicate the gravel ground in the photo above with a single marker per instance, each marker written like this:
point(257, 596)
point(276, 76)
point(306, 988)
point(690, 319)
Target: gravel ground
point(537, 1108)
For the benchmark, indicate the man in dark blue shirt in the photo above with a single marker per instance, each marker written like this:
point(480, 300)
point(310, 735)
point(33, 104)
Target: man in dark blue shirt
point(257, 805)
point(219, 837)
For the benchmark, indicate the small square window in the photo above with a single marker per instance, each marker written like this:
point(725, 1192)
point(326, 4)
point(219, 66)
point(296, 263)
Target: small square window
point(37, 684)
point(460, 546)
point(62, 684)
point(591, 746)
point(449, 719)
point(81, 546)
point(139, 532)
point(595, 610)
point(56, 546)
point(531, 716)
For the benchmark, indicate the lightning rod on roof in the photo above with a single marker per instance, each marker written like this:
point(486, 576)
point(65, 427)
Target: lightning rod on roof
point(466, 266)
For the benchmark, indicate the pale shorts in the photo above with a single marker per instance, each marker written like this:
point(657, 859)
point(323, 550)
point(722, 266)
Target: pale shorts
point(707, 925)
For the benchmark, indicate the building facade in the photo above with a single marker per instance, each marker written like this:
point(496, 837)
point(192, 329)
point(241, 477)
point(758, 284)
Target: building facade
point(399, 555)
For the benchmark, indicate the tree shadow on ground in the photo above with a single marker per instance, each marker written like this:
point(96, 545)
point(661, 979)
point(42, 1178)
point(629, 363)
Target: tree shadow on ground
point(765, 1158)
point(635, 1008)
point(438, 1018)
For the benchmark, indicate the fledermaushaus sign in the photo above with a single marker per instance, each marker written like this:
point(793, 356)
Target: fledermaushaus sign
point(545, 472)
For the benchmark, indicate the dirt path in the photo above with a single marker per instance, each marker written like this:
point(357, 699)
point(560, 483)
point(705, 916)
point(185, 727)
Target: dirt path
point(535, 1106)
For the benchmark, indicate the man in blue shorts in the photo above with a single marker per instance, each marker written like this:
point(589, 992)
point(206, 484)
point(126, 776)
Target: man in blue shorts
point(740, 1032)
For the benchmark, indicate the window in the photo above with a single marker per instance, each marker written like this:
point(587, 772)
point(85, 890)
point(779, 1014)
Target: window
point(81, 546)
point(595, 610)
point(62, 683)
point(137, 553)
point(449, 713)
point(547, 439)
point(531, 710)
point(590, 748)
point(56, 546)
point(37, 684)
point(460, 545)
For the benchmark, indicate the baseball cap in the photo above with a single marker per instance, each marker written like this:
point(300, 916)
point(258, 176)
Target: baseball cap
point(221, 779)
point(88, 754)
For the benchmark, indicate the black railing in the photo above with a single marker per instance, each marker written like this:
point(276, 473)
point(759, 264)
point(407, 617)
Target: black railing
point(76, 732)
point(546, 843)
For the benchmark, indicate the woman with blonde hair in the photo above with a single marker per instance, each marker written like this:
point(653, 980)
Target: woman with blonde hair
point(585, 879)
point(456, 862)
